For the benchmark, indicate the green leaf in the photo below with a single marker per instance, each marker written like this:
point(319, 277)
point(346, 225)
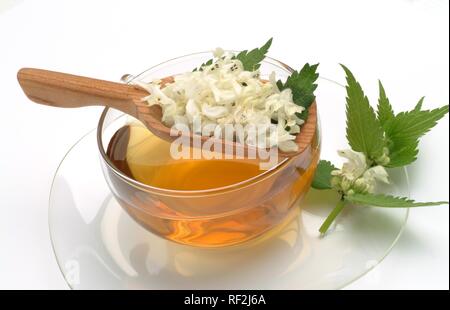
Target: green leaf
point(206, 63)
point(364, 131)
point(413, 124)
point(322, 178)
point(303, 115)
point(385, 111)
point(403, 155)
point(418, 106)
point(280, 85)
point(387, 201)
point(404, 130)
point(302, 84)
point(251, 60)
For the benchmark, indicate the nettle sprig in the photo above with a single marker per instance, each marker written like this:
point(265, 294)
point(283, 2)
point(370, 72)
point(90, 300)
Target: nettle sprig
point(378, 140)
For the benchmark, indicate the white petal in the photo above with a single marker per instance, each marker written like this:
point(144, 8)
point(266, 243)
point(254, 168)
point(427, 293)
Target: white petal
point(214, 112)
point(378, 173)
point(288, 146)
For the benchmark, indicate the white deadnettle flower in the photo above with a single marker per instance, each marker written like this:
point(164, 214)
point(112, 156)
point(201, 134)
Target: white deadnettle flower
point(355, 166)
point(377, 173)
point(356, 176)
point(224, 93)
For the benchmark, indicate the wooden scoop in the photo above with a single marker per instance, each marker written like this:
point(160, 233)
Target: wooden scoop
point(70, 91)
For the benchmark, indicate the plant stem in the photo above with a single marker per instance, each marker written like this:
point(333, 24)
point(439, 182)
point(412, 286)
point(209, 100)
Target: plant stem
point(332, 216)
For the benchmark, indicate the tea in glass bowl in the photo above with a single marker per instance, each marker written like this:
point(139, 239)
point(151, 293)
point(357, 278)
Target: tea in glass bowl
point(196, 201)
point(199, 202)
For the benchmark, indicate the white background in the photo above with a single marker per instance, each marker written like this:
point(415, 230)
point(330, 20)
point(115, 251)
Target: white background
point(403, 42)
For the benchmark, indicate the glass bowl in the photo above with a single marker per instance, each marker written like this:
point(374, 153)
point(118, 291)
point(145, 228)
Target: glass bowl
point(213, 217)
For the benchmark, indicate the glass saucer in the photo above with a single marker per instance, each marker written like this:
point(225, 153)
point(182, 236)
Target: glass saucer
point(98, 246)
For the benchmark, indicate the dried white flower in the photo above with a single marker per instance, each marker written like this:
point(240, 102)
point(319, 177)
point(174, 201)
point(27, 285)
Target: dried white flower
point(224, 93)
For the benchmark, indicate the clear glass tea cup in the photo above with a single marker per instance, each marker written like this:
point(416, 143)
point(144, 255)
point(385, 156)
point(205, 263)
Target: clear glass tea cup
point(212, 217)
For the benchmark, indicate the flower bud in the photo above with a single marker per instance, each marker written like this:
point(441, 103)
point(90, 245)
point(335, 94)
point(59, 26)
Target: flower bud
point(336, 182)
point(346, 184)
point(384, 159)
point(361, 186)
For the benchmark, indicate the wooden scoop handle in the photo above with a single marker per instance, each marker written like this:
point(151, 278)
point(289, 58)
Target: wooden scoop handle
point(71, 91)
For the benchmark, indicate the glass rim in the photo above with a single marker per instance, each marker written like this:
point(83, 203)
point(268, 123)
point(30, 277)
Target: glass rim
point(174, 192)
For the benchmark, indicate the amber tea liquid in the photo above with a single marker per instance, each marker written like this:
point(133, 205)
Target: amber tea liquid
point(204, 219)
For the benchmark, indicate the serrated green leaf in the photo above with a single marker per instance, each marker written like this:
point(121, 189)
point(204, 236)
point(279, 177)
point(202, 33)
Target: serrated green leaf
point(302, 84)
point(403, 155)
point(251, 60)
point(384, 111)
point(419, 104)
point(413, 124)
point(364, 131)
point(206, 63)
point(322, 178)
point(404, 131)
point(388, 201)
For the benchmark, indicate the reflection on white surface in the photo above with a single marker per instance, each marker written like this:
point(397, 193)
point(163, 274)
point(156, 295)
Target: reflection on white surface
point(110, 236)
